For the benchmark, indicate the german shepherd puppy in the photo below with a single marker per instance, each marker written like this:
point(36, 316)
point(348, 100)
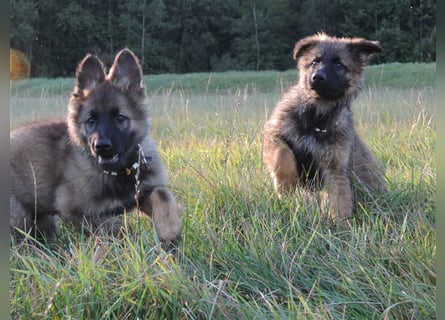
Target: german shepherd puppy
point(310, 139)
point(98, 163)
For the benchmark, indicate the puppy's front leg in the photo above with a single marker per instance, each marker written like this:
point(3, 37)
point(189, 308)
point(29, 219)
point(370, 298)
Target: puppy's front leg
point(280, 162)
point(164, 210)
point(340, 197)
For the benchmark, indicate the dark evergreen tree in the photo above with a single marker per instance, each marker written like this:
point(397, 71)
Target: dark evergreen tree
point(23, 26)
point(206, 35)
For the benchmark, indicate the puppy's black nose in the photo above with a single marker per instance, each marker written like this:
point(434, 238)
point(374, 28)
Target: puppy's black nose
point(102, 144)
point(319, 76)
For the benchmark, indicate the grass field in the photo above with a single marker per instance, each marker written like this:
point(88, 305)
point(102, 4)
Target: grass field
point(245, 254)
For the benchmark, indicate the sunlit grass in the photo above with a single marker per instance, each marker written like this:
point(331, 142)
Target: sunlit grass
point(245, 254)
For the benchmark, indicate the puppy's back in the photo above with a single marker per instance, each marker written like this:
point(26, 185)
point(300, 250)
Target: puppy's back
point(37, 154)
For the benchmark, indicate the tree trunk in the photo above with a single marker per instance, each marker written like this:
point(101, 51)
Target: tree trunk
point(142, 58)
point(256, 38)
point(110, 28)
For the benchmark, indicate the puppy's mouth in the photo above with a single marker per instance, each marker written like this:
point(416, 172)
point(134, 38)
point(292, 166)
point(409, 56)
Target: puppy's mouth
point(327, 93)
point(105, 160)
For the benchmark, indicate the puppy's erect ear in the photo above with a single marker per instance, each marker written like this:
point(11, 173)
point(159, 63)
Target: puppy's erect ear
point(303, 45)
point(126, 72)
point(367, 46)
point(89, 74)
point(364, 49)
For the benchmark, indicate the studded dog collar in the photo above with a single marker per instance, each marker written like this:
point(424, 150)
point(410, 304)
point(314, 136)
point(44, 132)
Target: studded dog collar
point(133, 168)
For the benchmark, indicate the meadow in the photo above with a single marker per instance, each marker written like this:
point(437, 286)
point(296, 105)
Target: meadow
point(245, 253)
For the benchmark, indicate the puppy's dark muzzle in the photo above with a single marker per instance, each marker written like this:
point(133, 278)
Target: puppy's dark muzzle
point(324, 86)
point(102, 148)
point(102, 145)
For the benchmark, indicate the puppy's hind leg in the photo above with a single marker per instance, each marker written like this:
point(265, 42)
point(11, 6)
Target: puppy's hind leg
point(280, 162)
point(19, 218)
point(42, 226)
point(367, 169)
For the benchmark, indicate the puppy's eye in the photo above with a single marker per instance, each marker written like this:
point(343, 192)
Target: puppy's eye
point(120, 118)
point(339, 66)
point(315, 62)
point(121, 121)
point(91, 121)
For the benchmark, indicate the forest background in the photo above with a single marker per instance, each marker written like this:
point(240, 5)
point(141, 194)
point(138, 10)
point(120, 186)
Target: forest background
point(181, 36)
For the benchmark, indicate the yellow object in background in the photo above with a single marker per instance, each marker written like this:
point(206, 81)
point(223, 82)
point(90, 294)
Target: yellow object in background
point(19, 66)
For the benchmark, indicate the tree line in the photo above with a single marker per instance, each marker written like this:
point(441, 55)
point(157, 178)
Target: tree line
point(178, 36)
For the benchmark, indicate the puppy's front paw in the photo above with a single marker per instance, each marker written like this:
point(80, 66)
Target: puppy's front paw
point(166, 215)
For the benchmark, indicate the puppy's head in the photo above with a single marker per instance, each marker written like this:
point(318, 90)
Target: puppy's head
point(331, 68)
point(107, 113)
